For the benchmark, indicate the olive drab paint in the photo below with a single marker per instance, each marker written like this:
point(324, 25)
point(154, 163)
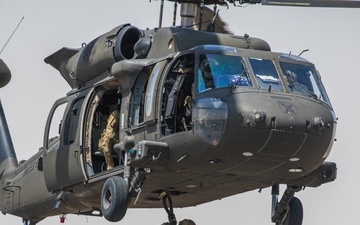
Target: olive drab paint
point(173, 117)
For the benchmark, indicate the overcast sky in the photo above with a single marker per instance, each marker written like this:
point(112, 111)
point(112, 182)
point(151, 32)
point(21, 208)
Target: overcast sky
point(332, 35)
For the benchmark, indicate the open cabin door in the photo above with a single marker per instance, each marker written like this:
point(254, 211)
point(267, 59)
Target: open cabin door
point(102, 104)
point(62, 148)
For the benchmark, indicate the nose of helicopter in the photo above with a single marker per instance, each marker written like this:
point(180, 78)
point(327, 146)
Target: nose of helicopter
point(276, 130)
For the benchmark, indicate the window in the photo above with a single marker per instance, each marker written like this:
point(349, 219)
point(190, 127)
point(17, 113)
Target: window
point(138, 98)
point(302, 79)
point(55, 125)
point(266, 74)
point(73, 121)
point(217, 71)
point(150, 92)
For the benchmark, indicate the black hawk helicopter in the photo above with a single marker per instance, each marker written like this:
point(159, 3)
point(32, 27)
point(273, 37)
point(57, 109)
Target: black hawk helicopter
point(202, 115)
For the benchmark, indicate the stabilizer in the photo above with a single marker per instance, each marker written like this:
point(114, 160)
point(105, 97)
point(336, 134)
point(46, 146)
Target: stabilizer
point(5, 74)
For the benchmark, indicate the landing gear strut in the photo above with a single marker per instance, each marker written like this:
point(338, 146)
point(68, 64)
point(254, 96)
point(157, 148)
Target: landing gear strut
point(289, 210)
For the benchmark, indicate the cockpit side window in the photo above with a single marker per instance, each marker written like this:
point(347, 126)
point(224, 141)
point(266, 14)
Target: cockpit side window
point(266, 74)
point(138, 98)
point(151, 92)
point(218, 70)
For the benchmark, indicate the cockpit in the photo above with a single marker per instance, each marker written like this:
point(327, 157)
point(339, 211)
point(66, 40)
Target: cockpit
point(193, 84)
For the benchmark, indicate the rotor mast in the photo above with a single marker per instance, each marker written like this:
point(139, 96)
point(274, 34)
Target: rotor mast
point(161, 13)
point(188, 13)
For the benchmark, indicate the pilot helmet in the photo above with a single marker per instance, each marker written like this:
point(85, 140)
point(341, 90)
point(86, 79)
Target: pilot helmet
point(186, 66)
point(291, 77)
point(207, 66)
point(291, 74)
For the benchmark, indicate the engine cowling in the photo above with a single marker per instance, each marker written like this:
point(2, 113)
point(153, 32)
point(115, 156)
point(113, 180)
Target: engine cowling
point(78, 66)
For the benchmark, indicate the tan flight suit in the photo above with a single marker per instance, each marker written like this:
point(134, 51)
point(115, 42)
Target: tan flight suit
point(109, 138)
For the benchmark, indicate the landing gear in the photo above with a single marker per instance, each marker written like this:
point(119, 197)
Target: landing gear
point(289, 210)
point(114, 198)
point(294, 214)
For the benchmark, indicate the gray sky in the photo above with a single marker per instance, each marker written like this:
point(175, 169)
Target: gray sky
point(332, 35)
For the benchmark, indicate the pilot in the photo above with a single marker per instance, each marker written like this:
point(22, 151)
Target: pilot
point(179, 100)
point(186, 94)
point(109, 138)
point(207, 76)
point(290, 78)
point(293, 83)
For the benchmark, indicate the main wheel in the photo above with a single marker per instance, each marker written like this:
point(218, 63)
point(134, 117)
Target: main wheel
point(114, 199)
point(294, 213)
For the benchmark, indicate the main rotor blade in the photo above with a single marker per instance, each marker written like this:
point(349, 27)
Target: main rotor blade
point(309, 3)
point(314, 3)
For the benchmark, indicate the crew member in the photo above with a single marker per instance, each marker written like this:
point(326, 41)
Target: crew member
point(185, 98)
point(206, 80)
point(109, 138)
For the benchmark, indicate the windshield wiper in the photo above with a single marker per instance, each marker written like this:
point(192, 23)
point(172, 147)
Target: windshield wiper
point(241, 80)
point(303, 89)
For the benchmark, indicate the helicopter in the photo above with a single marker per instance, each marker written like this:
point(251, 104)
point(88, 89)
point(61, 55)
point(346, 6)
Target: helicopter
point(158, 132)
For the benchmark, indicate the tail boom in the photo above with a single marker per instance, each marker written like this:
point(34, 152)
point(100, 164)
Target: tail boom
point(8, 160)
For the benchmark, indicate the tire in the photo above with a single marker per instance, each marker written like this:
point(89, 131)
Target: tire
point(295, 213)
point(114, 199)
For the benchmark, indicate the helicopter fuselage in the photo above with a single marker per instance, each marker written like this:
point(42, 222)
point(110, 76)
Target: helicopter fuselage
point(202, 124)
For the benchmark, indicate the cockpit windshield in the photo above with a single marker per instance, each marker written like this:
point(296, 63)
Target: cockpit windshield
point(216, 71)
point(303, 79)
point(266, 74)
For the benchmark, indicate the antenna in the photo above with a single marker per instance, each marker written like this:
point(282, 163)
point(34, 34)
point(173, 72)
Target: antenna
point(201, 13)
point(175, 11)
point(161, 13)
point(303, 52)
point(12, 34)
